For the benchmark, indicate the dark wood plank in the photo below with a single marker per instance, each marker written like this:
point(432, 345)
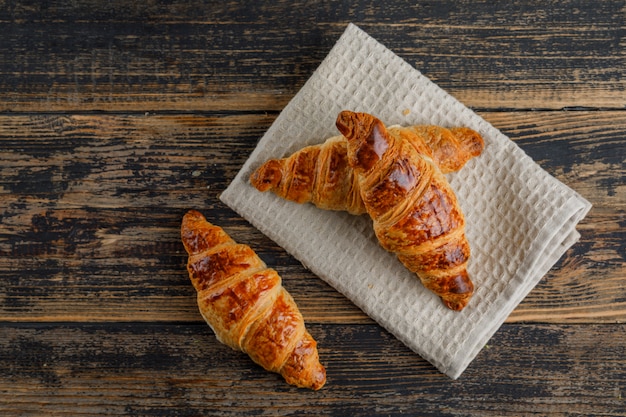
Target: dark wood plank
point(158, 370)
point(90, 207)
point(198, 56)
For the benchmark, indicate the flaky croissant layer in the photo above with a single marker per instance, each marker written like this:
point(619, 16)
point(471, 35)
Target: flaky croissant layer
point(415, 212)
point(320, 174)
point(246, 305)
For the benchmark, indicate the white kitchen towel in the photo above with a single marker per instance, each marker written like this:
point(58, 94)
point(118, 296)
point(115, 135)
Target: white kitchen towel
point(520, 220)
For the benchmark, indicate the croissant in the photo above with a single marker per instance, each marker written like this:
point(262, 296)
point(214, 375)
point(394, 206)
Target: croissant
point(415, 212)
point(246, 305)
point(320, 174)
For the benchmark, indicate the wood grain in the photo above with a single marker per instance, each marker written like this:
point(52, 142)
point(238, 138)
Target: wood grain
point(116, 117)
point(156, 369)
point(91, 208)
point(215, 56)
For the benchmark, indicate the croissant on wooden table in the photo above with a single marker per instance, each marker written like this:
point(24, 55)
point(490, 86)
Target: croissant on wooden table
point(320, 174)
point(414, 210)
point(246, 305)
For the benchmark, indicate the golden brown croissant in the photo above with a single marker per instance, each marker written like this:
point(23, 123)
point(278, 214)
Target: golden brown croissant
point(246, 305)
point(415, 212)
point(320, 174)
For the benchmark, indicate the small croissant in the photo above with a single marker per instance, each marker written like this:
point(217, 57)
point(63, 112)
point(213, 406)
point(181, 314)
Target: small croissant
point(246, 305)
point(320, 174)
point(415, 212)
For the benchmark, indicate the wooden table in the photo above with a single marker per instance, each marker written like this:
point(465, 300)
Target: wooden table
point(116, 117)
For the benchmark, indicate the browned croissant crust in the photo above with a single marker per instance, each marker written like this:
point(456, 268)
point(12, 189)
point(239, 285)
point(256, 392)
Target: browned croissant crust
point(320, 174)
point(415, 212)
point(245, 304)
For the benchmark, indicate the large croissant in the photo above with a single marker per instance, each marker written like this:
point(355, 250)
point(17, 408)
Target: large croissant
point(320, 174)
point(246, 306)
point(415, 212)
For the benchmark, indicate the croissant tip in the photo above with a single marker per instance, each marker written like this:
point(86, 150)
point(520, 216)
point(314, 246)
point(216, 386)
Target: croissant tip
point(471, 140)
point(320, 382)
point(317, 381)
point(455, 305)
point(192, 214)
point(267, 176)
point(345, 123)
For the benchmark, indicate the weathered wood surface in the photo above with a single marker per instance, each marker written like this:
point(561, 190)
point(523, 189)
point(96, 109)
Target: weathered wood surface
point(156, 369)
point(116, 117)
point(190, 56)
point(90, 201)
